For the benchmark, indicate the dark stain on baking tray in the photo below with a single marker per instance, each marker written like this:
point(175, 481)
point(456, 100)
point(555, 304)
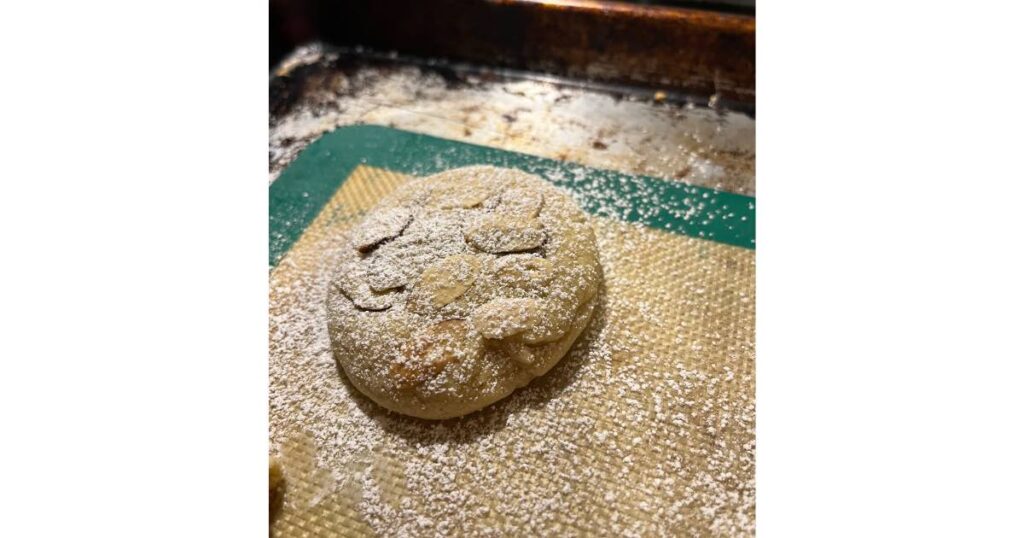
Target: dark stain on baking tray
point(333, 73)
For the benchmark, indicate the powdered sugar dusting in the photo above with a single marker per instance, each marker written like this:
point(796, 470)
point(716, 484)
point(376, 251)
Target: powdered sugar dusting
point(646, 428)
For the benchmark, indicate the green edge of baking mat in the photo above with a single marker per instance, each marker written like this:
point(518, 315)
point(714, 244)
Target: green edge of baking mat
point(306, 185)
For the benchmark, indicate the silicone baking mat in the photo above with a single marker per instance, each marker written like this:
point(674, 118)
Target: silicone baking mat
point(646, 428)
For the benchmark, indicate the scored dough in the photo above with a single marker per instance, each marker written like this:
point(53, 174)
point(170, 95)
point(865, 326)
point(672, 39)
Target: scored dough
point(459, 288)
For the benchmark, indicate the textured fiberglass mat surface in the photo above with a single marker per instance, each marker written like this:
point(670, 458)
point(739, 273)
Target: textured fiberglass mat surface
point(646, 428)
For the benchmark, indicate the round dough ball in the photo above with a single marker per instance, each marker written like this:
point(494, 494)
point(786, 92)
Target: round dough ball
point(459, 288)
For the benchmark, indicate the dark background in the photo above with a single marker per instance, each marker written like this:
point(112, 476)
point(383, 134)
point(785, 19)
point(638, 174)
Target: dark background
point(295, 22)
point(700, 48)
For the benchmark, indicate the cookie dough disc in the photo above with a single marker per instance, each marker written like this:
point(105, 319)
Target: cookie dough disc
point(461, 287)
